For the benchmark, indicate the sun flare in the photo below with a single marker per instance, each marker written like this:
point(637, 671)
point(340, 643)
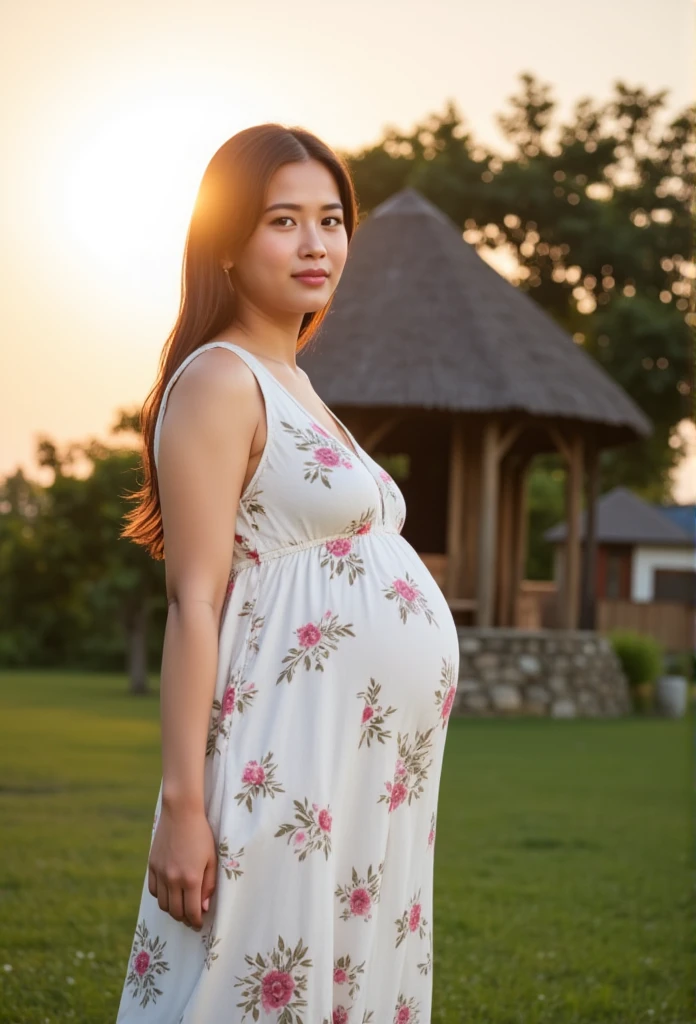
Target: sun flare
point(127, 191)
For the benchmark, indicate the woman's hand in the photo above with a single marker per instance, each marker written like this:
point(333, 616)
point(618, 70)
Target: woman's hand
point(182, 867)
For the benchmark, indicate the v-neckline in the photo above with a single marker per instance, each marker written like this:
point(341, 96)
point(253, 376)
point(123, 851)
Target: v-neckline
point(356, 454)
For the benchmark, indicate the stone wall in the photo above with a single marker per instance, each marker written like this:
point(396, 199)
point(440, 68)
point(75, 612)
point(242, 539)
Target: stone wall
point(562, 674)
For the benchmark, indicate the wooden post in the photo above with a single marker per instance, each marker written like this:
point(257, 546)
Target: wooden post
point(588, 607)
point(572, 560)
point(455, 509)
point(520, 526)
point(488, 525)
point(506, 534)
point(472, 509)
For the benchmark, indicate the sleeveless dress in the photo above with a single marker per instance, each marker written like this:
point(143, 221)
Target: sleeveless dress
point(337, 670)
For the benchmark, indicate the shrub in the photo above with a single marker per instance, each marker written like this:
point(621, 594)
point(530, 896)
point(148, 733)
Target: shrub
point(640, 655)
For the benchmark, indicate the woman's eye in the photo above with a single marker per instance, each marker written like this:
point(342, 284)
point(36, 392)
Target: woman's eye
point(278, 219)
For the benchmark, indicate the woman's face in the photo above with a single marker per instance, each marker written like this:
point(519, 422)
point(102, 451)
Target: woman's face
point(305, 231)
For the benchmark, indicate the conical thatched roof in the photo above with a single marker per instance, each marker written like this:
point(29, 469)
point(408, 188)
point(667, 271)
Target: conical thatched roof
point(419, 319)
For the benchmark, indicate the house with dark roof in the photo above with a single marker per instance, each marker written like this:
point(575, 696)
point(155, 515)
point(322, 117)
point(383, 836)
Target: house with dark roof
point(645, 553)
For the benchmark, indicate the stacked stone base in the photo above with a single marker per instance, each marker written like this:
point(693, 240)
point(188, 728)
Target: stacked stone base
point(557, 673)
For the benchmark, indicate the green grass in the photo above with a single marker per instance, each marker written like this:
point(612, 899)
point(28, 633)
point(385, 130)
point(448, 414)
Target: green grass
point(563, 860)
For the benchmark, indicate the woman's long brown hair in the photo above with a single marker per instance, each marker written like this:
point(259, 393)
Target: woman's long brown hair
point(227, 209)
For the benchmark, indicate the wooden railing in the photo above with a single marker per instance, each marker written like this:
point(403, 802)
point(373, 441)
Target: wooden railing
point(672, 624)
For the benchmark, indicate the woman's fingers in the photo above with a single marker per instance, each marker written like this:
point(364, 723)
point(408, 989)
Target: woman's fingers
point(162, 894)
point(175, 898)
point(192, 907)
point(152, 881)
point(209, 883)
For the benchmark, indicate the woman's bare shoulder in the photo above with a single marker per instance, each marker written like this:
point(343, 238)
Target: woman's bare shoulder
point(215, 394)
point(219, 368)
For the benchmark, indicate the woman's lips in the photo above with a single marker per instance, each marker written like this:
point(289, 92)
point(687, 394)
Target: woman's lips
point(313, 279)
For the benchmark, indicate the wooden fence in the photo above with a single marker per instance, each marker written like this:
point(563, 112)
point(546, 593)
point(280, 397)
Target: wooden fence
point(673, 624)
point(670, 623)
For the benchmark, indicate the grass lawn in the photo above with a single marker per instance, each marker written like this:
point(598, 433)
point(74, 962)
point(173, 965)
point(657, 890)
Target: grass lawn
point(563, 860)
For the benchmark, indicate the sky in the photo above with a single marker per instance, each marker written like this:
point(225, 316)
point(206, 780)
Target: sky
point(110, 113)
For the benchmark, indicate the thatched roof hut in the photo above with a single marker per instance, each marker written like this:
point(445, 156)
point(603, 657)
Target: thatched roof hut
point(427, 350)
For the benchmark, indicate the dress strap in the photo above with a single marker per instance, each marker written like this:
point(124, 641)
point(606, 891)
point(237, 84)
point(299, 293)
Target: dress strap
point(252, 362)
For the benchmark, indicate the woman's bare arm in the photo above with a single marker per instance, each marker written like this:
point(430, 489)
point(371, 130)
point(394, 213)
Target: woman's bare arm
point(206, 436)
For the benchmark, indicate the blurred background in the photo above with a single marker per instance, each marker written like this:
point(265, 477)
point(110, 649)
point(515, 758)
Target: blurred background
point(559, 141)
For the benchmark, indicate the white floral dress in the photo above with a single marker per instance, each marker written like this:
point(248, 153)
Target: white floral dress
point(337, 671)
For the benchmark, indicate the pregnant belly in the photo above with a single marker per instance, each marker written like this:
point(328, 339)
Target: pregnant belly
point(409, 642)
point(370, 616)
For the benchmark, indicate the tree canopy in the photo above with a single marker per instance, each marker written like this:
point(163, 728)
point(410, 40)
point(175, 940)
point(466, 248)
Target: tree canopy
point(595, 217)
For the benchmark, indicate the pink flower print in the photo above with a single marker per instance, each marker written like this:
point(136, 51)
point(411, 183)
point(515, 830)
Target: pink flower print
point(340, 976)
point(276, 989)
point(251, 553)
point(409, 599)
point(142, 962)
point(411, 769)
point(403, 1015)
point(313, 831)
point(320, 430)
point(364, 528)
point(448, 702)
point(236, 697)
point(399, 792)
point(360, 895)
point(339, 547)
point(367, 714)
point(360, 902)
point(147, 964)
point(385, 476)
point(431, 837)
point(411, 921)
point(308, 635)
point(406, 591)
point(228, 699)
point(230, 585)
point(414, 917)
point(445, 694)
point(254, 773)
point(316, 641)
point(340, 1015)
point(275, 982)
point(327, 613)
point(327, 457)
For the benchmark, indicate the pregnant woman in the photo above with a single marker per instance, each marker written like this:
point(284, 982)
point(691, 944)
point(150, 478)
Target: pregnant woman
point(310, 660)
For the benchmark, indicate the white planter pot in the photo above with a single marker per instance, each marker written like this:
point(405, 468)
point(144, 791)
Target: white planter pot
point(671, 696)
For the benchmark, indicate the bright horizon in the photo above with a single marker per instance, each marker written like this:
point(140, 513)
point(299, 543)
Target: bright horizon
point(110, 117)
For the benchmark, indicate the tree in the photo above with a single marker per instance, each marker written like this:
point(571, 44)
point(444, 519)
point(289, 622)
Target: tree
point(596, 215)
point(72, 589)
